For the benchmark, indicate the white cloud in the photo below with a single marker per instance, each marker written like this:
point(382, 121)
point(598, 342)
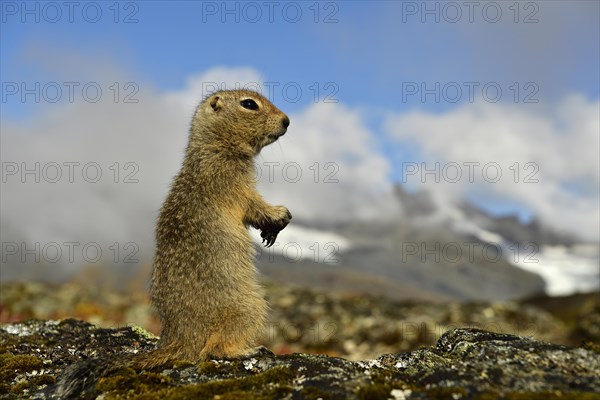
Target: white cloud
point(145, 139)
point(562, 142)
point(217, 78)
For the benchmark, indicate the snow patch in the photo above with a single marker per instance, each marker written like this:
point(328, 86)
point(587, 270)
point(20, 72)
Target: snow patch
point(565, 270)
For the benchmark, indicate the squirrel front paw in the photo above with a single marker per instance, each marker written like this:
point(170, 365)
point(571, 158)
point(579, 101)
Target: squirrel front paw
point(280, 219)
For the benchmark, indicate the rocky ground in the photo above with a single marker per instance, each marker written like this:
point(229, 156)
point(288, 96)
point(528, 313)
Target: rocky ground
point(464, 364)
point(355, 327)
point(408, 350)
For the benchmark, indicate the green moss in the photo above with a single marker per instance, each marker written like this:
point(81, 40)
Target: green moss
point(446, 392)
point(266, 385)
point(538, 396)
point(14, 365)
point(262, 385)
point(213, 368)
point(383, 382)
point(4, 388)
point(19, 387)
point(314, 393)
point(486, 396)
point(382, 391)
point(183, 364)
point(595, 347)
point(381, 376)
point(374, 391)
point(222, 369)
point(43, 380)
point(126, 383)
point(142, 332)
point(551, 395)
point(4, 357)
point(7, 343)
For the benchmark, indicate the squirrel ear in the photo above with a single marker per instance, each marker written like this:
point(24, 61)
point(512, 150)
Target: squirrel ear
point(216, 103)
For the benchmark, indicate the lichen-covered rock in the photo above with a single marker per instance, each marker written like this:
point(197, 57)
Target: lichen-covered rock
point(464, 364)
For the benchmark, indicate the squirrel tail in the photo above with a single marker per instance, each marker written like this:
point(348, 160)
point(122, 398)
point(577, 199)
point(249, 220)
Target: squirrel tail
point(79, 380)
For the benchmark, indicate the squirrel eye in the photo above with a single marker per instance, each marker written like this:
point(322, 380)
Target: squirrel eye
point(249, 104)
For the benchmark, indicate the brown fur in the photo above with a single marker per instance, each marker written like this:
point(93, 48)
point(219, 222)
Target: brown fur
point(204, 283)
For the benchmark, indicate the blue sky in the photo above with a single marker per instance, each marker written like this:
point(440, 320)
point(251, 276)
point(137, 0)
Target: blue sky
point(372, 51)
point(365, 47)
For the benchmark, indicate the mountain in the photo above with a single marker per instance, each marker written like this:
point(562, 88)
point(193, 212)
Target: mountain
point(466, 254)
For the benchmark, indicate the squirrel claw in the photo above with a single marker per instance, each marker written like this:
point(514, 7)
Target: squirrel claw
point(268, 238)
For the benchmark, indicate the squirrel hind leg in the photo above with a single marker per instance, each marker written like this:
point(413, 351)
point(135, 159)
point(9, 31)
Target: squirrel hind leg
point(219, 347)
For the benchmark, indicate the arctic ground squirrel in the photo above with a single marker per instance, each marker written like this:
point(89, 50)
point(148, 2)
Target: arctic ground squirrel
point(204, 282)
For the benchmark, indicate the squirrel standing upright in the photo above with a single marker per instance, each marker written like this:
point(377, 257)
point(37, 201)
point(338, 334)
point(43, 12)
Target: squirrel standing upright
point(204, 282)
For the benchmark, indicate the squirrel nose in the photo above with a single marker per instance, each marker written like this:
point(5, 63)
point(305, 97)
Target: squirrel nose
point(285, 121)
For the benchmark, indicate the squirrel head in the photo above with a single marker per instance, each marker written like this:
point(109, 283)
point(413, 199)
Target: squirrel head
point(234, 121)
